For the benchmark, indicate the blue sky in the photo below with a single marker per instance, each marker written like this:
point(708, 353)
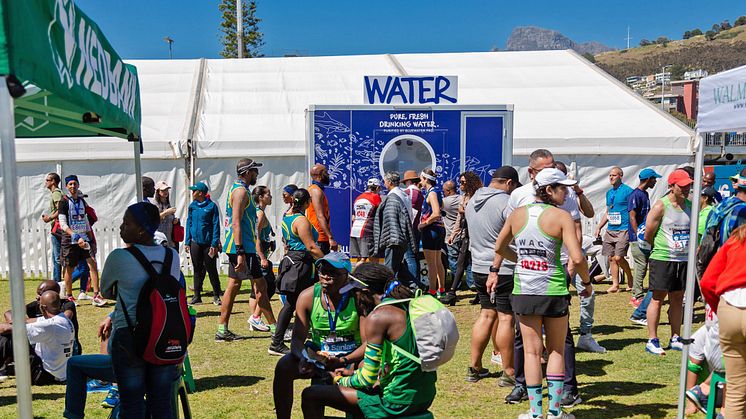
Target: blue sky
point(320, 27)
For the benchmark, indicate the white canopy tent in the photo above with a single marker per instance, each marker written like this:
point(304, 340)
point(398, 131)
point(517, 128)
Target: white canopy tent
point(200, 116)
point(722, 99)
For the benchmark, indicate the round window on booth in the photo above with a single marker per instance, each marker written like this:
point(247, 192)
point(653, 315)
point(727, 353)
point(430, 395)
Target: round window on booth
point(406, 152)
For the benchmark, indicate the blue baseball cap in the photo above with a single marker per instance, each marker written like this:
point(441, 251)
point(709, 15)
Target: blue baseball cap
point(199, 186)
point(338, 260)
point(647, 173)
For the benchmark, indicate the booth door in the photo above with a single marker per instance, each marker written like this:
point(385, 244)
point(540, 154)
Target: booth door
point(482, 143)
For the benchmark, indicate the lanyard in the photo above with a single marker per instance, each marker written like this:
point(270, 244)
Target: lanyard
point(243, 184)
point(78, 207)
point(319, 184)
point(337, 310)
point(613, 196)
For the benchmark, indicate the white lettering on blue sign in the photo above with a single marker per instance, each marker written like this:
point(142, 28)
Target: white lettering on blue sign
point(410, 90)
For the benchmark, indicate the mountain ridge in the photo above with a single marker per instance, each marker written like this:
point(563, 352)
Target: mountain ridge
point(534, 38)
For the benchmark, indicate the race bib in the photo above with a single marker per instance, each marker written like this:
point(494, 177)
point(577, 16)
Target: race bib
point(615, 218)
point(362, 211)
point(78, 224)
point(338, 346)
point(680, 240)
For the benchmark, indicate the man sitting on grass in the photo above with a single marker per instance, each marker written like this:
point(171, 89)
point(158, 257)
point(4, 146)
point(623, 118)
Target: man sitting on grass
point(326, 315)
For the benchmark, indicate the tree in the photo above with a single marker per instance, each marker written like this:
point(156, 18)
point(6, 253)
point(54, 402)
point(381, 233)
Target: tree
point(716, 28)
point(696, 32)
point(588, 56)
point(740, 21)
point(725, 25)
point(661, 40)
point(253, 38)
point(710, 35)
point(645, 42)
point(687, 35)
point(677, 71)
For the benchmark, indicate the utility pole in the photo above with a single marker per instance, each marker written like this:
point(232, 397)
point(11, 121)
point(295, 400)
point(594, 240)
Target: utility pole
point(239, 28)
point(170, 42)
point(628, 37)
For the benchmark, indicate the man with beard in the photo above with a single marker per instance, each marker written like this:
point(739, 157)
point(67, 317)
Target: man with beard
point(241, 244)
point(318, 212)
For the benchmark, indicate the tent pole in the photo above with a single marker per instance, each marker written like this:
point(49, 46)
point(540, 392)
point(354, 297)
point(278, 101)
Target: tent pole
point(138, 170)
point(15, 262)
point(691, 271)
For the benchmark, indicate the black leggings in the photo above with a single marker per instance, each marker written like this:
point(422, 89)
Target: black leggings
point(283, 319)
point(201, 261)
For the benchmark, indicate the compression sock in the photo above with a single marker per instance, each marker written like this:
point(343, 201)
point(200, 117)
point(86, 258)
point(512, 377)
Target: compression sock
point(222, 328)
point(534, 400)
point(442, 290)
point(554, 387)
point(432, 292)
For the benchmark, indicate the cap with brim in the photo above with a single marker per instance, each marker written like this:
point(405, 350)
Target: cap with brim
point(680, 178)
point(553, 176)
point(410, 175)
point(739, 180)
point(248, 165)
point(506, 172)
point(648, 173)
point(199, 186)
point(161, 185)
point(354, 283)
point(338, 260)
point(374, 181)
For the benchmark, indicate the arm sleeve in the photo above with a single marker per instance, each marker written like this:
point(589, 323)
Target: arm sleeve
point(62, 210)
point(215, 226)
point(367, 375)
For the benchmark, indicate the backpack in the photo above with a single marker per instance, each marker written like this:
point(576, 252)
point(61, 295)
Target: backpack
point(434, 328)
point(163, 328)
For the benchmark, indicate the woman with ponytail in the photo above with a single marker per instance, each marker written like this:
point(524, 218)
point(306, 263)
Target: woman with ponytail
point(295, 272)
point(433, 232)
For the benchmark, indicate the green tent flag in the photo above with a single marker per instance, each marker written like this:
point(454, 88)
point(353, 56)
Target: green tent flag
point(54, 46)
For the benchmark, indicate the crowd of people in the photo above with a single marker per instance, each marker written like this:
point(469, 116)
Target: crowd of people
point(519, 247)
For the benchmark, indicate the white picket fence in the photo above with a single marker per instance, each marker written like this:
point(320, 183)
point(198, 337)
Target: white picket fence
point(37, 249)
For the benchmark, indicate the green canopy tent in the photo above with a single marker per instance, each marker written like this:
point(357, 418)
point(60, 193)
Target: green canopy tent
point(57, 67)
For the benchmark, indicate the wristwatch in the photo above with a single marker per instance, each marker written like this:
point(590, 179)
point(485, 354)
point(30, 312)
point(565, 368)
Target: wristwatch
point(494, 269)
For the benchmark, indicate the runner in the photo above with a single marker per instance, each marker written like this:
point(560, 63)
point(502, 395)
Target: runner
point(540, 295)
point(287, 195)
point(638, 205)
point(295, 272)
point(361, 233)
point(241, 242)
point(433, 232)
point(263, 198)
point(403, 388)
point(318, 211)
point(335, 332)
point(616, 239)
point(667, 230)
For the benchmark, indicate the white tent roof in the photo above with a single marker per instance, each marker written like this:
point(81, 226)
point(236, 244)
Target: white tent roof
point(257, 106)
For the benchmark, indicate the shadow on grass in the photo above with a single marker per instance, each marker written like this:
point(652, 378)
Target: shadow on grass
point(208, 314)
point(592, 367)
point(617, 388)
point(11, 400)
point(620, 344)
point(612, 409)
point(211, 383)
point(610, 329)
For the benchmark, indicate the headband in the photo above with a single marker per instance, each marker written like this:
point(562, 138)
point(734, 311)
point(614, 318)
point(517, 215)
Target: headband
point(428, 177)
point(140, 213)
point(289, 190)
point(70, 178)
point(246, 167)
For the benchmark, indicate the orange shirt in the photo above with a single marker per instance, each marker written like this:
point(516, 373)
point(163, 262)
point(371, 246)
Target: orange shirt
point(311, 214)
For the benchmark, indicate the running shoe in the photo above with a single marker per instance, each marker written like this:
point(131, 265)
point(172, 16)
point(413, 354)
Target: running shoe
point(288, 335)
point(474, 375)
point(516, 396)
point(588, 344)
point(496, 358)
point(641, 322)
point(195, 300)
point(216, 301)
point(506, 380)
point(256, 323)
point(528, 415)
point(676, 344)
point(570, 399)
point(654, 347)
point(698, 398)
point(562, 415)
point(98, 301)
point(3, 377)
point(112, 398)
point(278, 350)
point(72, 299)
point(97, 386)
point(83, 296)
point(225, 336)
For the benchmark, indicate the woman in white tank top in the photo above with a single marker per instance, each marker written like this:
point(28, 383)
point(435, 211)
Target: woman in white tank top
point(540, 295)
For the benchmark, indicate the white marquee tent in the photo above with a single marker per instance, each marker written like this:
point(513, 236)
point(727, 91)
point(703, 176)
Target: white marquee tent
point(212, 112)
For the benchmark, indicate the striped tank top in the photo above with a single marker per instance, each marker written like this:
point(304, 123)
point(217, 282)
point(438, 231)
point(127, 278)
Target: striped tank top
point(248, 222)
point(538, 270)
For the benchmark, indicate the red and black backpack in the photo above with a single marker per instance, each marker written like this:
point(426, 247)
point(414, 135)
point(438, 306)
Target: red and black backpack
point(163, 329)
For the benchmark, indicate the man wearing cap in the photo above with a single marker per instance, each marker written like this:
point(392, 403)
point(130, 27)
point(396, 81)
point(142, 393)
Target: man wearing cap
point(667, 231)
point(364, 211)
point(202, 240)
point(241, 244)
point(328, 332)
point(638, 205)
point(616, 239)
point(318, 212)
point(411, 184)
point(77, 239)
point(485, 215)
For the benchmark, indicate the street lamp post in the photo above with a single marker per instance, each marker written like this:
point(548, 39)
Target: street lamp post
point(239, 28)
point(663, 84)
point(170, 42)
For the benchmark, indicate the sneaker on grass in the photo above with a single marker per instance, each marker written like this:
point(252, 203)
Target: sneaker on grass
point(654, 347)
point(506, 380)
point(570, 399)
point(696, 396)
point(641, 322)
point(496, 358)
point(112, 398)
point(256, 324)
point(278, 350)
point(97, 386)
point(676, 344)
point(83, 296)
point(98, 301)
point(225, 336)
point(474, 375)
point(288, 335)
point(562, 415)
point(588, 344)
point(216, 301)
point(516, 396)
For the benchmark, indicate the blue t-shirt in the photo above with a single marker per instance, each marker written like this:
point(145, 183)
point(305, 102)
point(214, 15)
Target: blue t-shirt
point(639, 202)
point(616, 205)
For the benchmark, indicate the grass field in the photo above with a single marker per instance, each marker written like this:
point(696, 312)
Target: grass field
point(234, 380)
